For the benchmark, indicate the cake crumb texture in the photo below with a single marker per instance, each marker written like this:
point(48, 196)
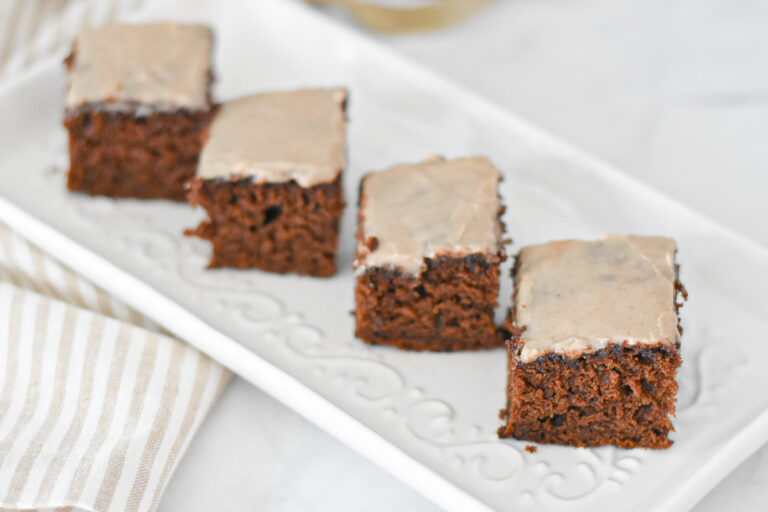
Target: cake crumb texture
point(450, 306)
point(621, 395)
point(277, 227)
point(120, 155)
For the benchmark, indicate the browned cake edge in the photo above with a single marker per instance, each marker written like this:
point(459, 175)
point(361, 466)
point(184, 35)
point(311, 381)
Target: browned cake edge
point(116, 154)
point(621, 395)
point(450, 306)
point(277, 227)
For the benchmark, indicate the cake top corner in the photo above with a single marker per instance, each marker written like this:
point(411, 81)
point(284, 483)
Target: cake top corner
point(575, 297)
point(163, 66)
point(434, 208)
point(277, 137)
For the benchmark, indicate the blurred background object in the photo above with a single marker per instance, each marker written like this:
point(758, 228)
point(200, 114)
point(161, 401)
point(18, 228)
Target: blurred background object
point(402, 17)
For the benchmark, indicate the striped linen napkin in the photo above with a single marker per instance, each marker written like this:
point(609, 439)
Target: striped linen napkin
point(97, 405)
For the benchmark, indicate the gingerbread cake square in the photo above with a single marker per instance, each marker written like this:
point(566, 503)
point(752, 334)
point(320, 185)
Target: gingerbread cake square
point(270, 180)
point(595, 343)
point(428, 255)
point(136, 108)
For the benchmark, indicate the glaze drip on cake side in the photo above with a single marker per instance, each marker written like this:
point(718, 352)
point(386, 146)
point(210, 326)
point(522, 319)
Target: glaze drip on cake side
point(427, 210)
point(575, 297)
point(277, 137)
point(141, 68)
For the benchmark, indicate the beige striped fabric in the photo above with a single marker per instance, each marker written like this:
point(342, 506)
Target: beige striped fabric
point(96, 405)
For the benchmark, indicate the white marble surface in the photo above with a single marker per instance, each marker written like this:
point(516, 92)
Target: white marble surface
point(675, 93)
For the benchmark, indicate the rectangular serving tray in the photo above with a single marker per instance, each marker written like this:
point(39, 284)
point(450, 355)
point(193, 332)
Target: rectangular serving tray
point(430, 419)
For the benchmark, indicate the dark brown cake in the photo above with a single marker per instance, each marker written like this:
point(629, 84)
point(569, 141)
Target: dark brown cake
point(137, 107)
point(120, 155)
point(270, 180)
point(450, 306)
point(415, 290)
point(594, 347)
point(278, 227)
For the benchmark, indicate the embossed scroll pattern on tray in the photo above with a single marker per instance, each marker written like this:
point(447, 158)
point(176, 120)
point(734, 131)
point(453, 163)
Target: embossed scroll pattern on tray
point(356, 369)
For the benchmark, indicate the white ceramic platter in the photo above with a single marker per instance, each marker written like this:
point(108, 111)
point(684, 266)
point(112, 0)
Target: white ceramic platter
point(430, 419)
